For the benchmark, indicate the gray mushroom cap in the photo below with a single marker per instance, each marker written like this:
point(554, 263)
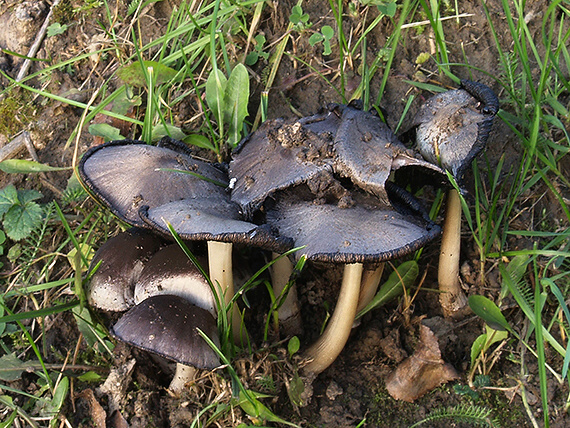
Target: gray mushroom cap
point(453, 126)
point(170, 271)
point(342, 140)
point(121, 260)
point(168, 325)
point(363, 233)
point(126, 175)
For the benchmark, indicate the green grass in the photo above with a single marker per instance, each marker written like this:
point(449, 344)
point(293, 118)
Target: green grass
point(41, 286)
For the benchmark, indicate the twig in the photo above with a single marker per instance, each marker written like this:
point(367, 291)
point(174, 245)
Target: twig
point(13, 147)
point(35, 47)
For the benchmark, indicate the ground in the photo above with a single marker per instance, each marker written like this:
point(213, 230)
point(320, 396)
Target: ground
point(352, 391)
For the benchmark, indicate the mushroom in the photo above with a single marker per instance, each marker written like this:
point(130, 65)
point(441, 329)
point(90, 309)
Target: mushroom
point(368, 233)
point(452, 129)
point(153, 187)
point(341, 141)
point(119, 263)
point(168, 325)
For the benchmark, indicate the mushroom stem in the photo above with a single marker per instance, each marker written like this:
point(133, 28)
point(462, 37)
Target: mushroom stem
point(451, 298)
point(288, 314)
point(325, 350)
point(184, 374)
point(369, 286)
point(220, 268)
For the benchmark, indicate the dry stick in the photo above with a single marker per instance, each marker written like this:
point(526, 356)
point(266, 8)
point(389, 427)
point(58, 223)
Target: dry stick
point(13, 147)
point(452, 298)
point(325, 350)
point(39, 38)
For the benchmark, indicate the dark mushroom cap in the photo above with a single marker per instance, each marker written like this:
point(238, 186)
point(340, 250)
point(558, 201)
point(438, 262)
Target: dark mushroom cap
point(122, 259)
point(168, 325)
point(275, 157)
point(453, 126)
point(213, 219)
point(341, 139)
point(365, 233)
point(126, 175)
point(170, 271)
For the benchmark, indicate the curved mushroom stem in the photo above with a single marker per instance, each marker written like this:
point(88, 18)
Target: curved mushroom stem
point(325, 350)
point(289, 314)
point(369, 286)
point(451, 298)
point(220, 268)
point(184, 374)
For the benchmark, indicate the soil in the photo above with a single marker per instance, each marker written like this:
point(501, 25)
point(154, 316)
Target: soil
point(352, 390)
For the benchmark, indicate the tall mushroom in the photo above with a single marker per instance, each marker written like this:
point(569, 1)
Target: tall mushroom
point(340, 142)
point(452, 129)
point(367, 233)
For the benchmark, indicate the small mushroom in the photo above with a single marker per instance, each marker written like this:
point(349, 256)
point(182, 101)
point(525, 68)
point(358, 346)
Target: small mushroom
point(119, 263)
point(168, 325)
point(452, 129)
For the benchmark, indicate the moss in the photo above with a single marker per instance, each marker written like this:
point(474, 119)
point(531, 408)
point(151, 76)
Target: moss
point(16, 111)
point(63, 12)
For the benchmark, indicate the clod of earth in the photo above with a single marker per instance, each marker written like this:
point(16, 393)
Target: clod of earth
point(452, 129)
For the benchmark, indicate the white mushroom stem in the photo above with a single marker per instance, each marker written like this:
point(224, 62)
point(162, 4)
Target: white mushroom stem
point(369, 286)
point(325, 350)
point(183, 376)
point(220, 269)
point(289, 314)
point(451, 298)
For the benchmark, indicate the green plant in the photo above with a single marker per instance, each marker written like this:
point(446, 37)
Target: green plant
point(19, 212)
point(466, 413)
point(324, 37)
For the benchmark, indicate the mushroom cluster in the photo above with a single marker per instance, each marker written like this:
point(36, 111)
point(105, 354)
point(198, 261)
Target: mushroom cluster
point(333, 183)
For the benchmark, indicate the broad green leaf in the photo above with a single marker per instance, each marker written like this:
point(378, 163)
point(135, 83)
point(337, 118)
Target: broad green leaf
point(11, 368)
point(56, 29)
point(90, 376)
point(28, 195)
point(316, 38)
point(21, 220)
point(169, 130)
point(392, 288)
point(199, 141)
point(477, 347)
point(293, 345)
point(489, 312)
point(8, 198)
point(235, 102)
point(105, 131)
point(22, 166)
point(133, 74)
point(327, 31)
point(215, 90)
point(295, 390)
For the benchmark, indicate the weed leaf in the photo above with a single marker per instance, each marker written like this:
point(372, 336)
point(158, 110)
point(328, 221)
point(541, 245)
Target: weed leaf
point(134, 75)
point(489, 312)
point(11, 368)
point(21, 220)
point(235, 102)
point(22, 166)
point(215, 90)
point(106, 131)
point(8, 198)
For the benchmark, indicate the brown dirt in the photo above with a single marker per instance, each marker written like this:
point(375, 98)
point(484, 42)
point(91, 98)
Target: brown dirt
point(352, 389)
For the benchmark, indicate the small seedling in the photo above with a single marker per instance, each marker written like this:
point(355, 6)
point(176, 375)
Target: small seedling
point(257, 53)
point(299, 19)
point(325, 36)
